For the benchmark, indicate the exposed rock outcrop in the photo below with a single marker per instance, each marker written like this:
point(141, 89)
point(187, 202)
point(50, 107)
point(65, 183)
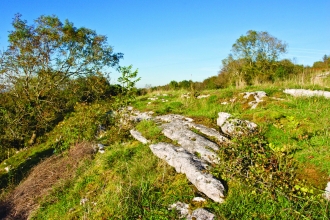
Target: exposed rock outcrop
point(257, 96)
point(195, 152)
point(198, 214)
point(194, 169)
point(307, 93)
point(192, 142)
point(211, 132)
point(233, 126)
point(138, 136)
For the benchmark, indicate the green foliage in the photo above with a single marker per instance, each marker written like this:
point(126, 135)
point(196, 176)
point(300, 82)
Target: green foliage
point(244, 203)
point(43, 73)
point(257, 163)
point(254, 58)
point(174, 85)
point(80, 125)
point(172, 107)
point(258, 46)
point(151, 131)
point(128, 90)
point(185, 84)
point(324, 64)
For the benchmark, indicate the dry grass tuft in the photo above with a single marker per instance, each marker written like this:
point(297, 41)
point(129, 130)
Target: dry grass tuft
point(43, 177)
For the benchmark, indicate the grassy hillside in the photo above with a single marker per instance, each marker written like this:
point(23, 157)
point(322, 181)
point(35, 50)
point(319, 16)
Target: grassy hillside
point(129, 182)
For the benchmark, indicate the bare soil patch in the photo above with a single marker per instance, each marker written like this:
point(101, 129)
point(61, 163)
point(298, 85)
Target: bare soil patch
point(39, 183)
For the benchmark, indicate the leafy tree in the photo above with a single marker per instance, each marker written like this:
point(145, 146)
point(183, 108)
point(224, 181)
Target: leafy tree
point(128, 81)
point(39, 65)
point(258, 46)
point(185, 84)
point(254, 55)
point(325, 63)
point(174, 84)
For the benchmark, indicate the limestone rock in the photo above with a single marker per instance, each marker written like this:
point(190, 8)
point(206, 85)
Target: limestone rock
point(211, 132)
point(181, 207)
point(137, 116)
point(99, 148)
point(201, 214)
point(184, 211)
point(307, 93)
point(194, 169)
point(234, 126)
point(138, 136)
point(153, 98)
point(187, 96)
point(191, 141)
point(177, 129)
point(199, 200)
point(258, 95)
point(203, 96)
point(173, 117)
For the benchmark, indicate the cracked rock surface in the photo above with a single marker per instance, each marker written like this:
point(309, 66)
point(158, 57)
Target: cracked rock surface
point(191, 141)
point(258, 96)
point(194, 153)
point(192, 167)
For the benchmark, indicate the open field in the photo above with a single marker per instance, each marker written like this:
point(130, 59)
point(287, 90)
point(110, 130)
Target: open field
point(129, 182)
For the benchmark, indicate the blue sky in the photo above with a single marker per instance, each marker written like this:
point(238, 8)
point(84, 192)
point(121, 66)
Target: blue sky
point(184, 39)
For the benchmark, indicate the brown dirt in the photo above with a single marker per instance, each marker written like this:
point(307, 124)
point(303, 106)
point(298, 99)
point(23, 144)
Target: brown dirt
point(39, 183)
point(313, 175)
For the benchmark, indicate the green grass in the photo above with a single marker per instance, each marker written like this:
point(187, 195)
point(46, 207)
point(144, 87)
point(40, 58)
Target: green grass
point(129, 182)
point(80, 125)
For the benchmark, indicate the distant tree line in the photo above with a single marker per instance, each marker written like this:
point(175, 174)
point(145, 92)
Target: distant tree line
point(254, 59)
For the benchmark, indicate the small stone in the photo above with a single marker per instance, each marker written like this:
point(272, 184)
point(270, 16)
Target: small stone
point(181, 207)
point(201, 214)
point(203, 96)
point(83, 201)
point(258, 95)
point(199, 199)
point(100, 146)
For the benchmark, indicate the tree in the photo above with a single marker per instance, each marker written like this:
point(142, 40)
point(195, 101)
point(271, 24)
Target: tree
point(184, 84)
point(254, 55)
point(39, 65)
point(258, 46)
point(174, 85)
point(325, 63)
point(128, 81)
